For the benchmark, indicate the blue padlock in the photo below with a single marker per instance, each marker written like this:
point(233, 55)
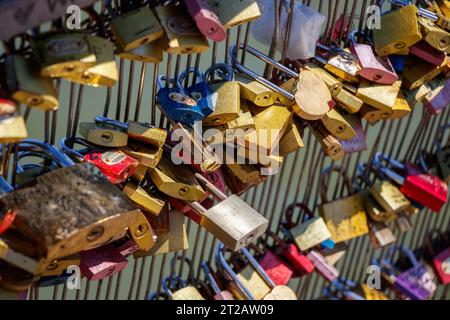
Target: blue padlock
point(398, 62)
point(199, 91)
point(177, 105)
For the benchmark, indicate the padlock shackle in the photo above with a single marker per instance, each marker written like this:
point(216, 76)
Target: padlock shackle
point(74, 153)
point(422, 12)
point(210, 187)
point(325, 173)
point(48, 149)
point(258, 268)
point(225, 267)
point(290, 211)
point(239, 67)
point(182, 76)
point(209, 276)
point(222, 70)
point(111, 122)
point(184, 260)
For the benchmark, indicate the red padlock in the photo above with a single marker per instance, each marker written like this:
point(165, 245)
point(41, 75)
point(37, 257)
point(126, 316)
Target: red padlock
point(115, 164)
point(442, 266)
point(126, 247)
point(101, 262)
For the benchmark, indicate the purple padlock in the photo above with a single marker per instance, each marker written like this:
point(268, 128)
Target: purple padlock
point(439, 97)
point(101, 262)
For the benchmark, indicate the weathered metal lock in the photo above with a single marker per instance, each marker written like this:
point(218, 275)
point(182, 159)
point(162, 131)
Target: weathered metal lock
point(63, 54)
point(341, 63)
point(401, 107)
point(326, 270)
point(147, 155)
point(435, 36)
point(145, 197)
point(358, 143)
point(176, 181)
point(444, 6)
point(101, 262)
point(345, 218)
point(177, 105)
point(199, 91)
point(26, 85)
point(308, 233)
point(379, 96)
point(373, 68)
point(389, 197)
point(232, 220)
point(142, 233)
point(348, 101)
point(206, 19)
point(334, 85)
point(380, 235)
point(12, 125)
point(136, 28)
point(103, 135)
point(439, 96)
point(397, 39)
point(235, 12)
point(375, 211)
point(337, 125)
point(184, 36)
point(59, 266)
point(309, 97)
point(225, 96)
point(426, 52)
point(218, 294)
point(331, 146)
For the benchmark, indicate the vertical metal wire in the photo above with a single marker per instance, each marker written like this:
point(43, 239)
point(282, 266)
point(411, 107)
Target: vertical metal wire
point(129, 91)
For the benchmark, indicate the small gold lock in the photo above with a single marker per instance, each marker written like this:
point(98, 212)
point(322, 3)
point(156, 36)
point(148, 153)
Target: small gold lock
point(12, 129)
point(140, 173)
point(182, 33)
point(151, 52)
point(148, 156)
point(330, 145)
point(373, 115)
point(149, 203)
point(435, 36)
point(176, 181)
point(391, 39)
point(418, 72)
point(374, 210)
point(235, 12)
point(389, 197)
point(142, 233)
point(253, 282)
point(401, 107)
point(103, 135)
point(256, 92)
point(379, 96)
point(291, 141)
point(187, 293)
point(227, 97)
point(27, 86)
point(337, 125)
point(146, 134)
point(246, 173)
point(348, 101)
point(136, 28)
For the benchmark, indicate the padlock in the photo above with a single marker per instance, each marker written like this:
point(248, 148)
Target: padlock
point(26, 85)
point(176, 181)
point(373, 68)
point(413, 97)
point(330, 145)
point(379, 96)
point(104, 71)
point(438, 252)
point(348, 101)
point(418, 72)
point(435, 36)
point(439, 96)
point(235, 186)
point(375, 211)
point(184, 36)
point(426, 52)
point(218, 294)
point(173, 239)
point(308, 233)
point(334, 85)
point(401, 107)
point(177, 105)
point(232, 221)
point(389, 197)
point(199, 91)
point(206, 19)
point(291, 141)
point(442, 266)
point(255, 92)
point(345, 218)
point(63, 54)
point(101, 262)
point(358, 143)
point(246, 173)
point(126, 246)
point(235, 12)
point(136, 28)
point(341, 63)
point(390, 39)
point(277, 270)
point(148, 156)
point(337, 125)
point(152, 202)
point(105, 136)
point(326, 270)
point(380, 235)
point(151, 52)
point(444, 6)
point(142, 233)
point(225, 96)
point(140, 173)
point(187, 292)
point(58, 266)
point(12, 125)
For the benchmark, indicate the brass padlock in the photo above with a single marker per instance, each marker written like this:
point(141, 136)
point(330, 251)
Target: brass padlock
point(235, 186)
point(401, 107)
point(182, 32)
point(373, 115)
point(136, 28)
point(444, 6)
point(246, 173)
point(176, 181)
point(104, 71)
point(435, 36)
point(291, 141)
point(148, 156)
point(146, 134)
point(27, 86)
point(343, 65)
point(140, 173)
point(63, 54)
point(348, 101)
point(56, 267)
point(71, 210)
point(330, 145)
point(142, 233)
point(418, 72)
point(255, 92)
point(152, 203)
point(151, 52)
point(391, 39)
point(105, 136)
point(235, 12)
point(374, 210)
point(379, 96)
point(337, 125)
point(12, 128)
point(389, 197)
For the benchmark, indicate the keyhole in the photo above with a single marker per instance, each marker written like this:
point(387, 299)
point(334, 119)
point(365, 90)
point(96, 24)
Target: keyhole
point(34, 101)
point(183, 191)
point(399, 45)
point(249, 239)
point(341, 129)
point(69, 68)
point(95, 233)
point(53, 265)
point(141, 230)
point(377, 77)
point(107, 137)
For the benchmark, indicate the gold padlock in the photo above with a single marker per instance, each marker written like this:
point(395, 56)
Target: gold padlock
point(148, 156)
point(142, 233)
point(235, 12)
point(176, 181)
point(374, 210)
point(146, 133)
point(246, 173)
point(105, 136)
point(310, 233)
point(151, 52)
point(330, 145)
point(187, 293)
point(291, 141)
point(136, 28)
point(253, 282)
point(227, 97)
point(373, 293)
point(255, 92)
point(104, 71)
point(27, 86)
point(63, 54)
point(184, 36)
point(148, 202)
point(140, 174)
point(391, 39)
point(345, 68)
point(373, 115)
point(435, 36)
point(348, 101)
point(235, 186)
point(379, 96)
point(244, 120)
point(401, 107)
point(12, 128)
point(56, 267)
point(444, 6)
point(333, 84)
point(389, 197)
point(418, 72)
point(337, 125)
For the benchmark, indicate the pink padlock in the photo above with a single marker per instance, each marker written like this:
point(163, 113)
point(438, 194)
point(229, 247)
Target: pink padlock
point(426, 52)
point(438, 98)
point(207, 21)
point(279, 271)
point(326, 270)
point(374, 68)
point(101, 262)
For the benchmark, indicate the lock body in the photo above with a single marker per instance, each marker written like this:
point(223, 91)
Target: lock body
point(330, 145)
point(148, 156)
point(227, 103)
point(255, 92)
point(435, 36)
point(206, 19)
point(187, 293)
point(379, 96)
point(337, 125)
point(389, 197)
point(151, 203)
point(142, 233)
point(151, 52)
point(102, 262)
point(235, 12)
point(310, 233)
point(103, 135)
point(143, 133)
point(418, 72)
point(12, 129)
point(291, 141)
point(276, 268)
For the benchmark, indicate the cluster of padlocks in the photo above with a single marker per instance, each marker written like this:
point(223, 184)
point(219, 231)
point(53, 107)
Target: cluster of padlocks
point(122, 189)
